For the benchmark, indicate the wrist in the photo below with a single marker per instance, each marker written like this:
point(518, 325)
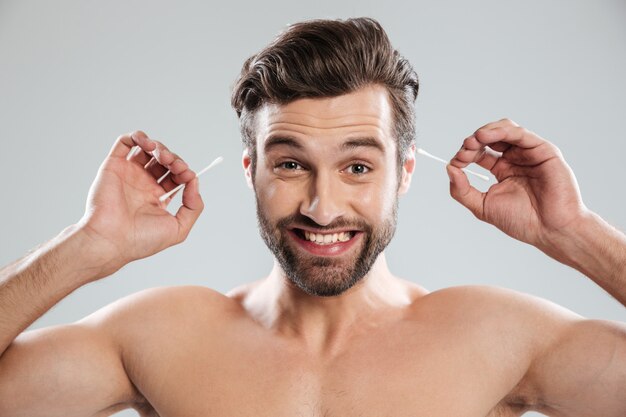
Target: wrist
point(565, 243)
point(590, 245)
point(89, 257)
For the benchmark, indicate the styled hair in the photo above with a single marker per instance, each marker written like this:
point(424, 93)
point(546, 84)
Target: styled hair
point(327, 58)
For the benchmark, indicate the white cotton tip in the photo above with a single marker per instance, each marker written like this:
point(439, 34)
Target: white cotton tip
point(208, 167)
point(211, 165)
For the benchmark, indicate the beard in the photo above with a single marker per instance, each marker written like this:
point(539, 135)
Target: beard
point(319, 275)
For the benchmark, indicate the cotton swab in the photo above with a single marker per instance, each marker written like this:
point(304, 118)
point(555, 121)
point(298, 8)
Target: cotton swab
point(423, 152)
point(171, 192)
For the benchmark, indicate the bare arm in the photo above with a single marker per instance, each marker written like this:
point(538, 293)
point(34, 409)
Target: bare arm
point(596, 249)
point(77, 369)
point(579, 368)
point(537, 201)
point(32, 285)
point(573, 367)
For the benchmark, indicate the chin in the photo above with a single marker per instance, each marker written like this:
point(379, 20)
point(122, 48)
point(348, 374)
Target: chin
point(325, 277)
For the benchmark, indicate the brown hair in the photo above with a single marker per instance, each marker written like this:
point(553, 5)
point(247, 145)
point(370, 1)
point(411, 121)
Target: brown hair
point(326, 58)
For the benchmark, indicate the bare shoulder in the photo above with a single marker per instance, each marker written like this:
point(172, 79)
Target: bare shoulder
point(497, 302)
point(164, 305)
point(94, 366)
point(525, 321)
point(565, 362)
point(156, 328)
point(157, 320)
point(513, 328)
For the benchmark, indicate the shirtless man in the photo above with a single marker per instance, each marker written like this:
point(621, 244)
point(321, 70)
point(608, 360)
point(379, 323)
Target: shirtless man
point(326, 114)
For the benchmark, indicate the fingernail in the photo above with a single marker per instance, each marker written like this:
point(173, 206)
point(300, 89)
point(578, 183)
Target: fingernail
point(449, 171)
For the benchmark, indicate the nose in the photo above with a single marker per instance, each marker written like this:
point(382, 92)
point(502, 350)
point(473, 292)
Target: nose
point(324, 200)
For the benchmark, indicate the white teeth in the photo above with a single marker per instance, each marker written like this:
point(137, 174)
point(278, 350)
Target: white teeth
point(326, 239)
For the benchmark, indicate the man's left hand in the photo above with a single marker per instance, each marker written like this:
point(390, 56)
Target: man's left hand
point(536, 197)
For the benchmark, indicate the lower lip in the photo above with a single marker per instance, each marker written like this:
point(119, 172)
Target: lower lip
point(331, 249)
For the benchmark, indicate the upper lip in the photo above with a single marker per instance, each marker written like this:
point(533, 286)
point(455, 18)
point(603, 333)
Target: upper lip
point(324, 232)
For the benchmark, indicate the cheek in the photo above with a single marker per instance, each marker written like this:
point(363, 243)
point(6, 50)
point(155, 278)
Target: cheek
point(375, 199)
point(276, 197)
point(374, 202)
point(379, 197)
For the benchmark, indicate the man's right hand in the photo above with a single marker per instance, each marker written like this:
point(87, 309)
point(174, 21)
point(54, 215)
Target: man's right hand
point(78, 369)
point(123, 217)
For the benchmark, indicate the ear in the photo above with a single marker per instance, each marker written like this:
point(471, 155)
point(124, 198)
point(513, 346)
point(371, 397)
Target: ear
point(407, 170)
point(246, 160)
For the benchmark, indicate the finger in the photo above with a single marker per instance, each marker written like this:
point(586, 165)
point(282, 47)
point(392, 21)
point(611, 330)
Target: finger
point(171, 182)
point(162, 154)
point(474, 151)
point(155, 169)
point(122, 146)
point(513, 135)
point(141, 138)
point(164, 160)
point(178, 166)
point(145, 146)
point(184, 177)
point(464, 193)
point(125, 143)
point(177, 172)
point(485, 157)
point(138, 156)
point(500, 146)
point(190, 210)
point(534, 156)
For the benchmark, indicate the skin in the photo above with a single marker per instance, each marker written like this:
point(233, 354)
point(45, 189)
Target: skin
point(386, 346)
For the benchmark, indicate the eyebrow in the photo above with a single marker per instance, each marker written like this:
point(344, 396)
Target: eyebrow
point(350, 144)
point(275, 141)
point(363, 142)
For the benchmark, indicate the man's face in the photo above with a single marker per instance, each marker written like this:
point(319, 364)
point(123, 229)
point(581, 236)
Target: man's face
point(327, 187)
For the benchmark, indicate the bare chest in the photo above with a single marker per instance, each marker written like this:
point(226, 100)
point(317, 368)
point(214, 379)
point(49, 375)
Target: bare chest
point(397, 373)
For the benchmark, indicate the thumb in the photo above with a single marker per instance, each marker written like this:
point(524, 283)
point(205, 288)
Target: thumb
point(462, 191)
point(190, 210)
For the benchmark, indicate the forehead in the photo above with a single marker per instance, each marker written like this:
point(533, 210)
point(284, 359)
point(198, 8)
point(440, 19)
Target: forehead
point(364, 112)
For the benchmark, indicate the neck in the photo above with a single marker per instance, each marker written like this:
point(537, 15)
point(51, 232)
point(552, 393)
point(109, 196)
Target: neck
point(324, 323)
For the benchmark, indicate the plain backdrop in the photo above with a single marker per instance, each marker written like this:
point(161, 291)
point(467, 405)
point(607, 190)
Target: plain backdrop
point(76, 74)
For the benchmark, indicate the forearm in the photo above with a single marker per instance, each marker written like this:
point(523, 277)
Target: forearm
point(32, 285)
point(597, 249)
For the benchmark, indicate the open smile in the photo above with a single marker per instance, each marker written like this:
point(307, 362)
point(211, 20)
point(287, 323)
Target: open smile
point(325, 244)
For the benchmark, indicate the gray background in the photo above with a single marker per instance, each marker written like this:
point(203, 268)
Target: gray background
point(76, 74)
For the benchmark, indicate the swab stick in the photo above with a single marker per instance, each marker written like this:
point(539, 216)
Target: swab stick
point(171, 192)
point(423, 152)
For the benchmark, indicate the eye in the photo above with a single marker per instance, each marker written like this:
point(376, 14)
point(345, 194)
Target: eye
point(358, 169)
point(289, 166)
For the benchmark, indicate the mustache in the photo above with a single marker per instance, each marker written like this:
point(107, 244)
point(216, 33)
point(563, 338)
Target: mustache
point(340, 222)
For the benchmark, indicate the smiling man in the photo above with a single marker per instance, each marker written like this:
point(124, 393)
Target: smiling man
point(327, 121)
point(326, 198)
